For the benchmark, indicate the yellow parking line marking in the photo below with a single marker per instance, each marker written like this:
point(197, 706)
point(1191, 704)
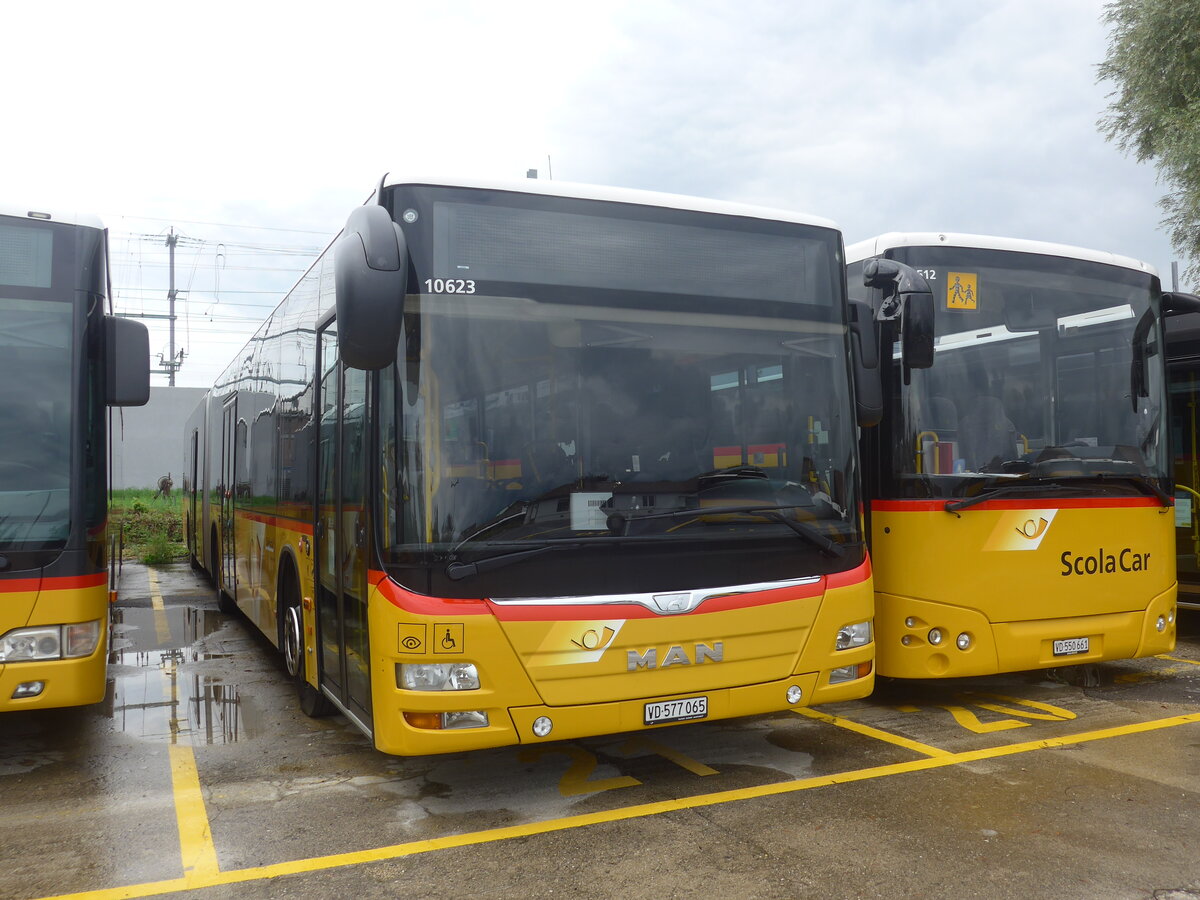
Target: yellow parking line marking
point(870, 732)
point(197, 851)
point(1190, 662)
point(162, 628)
point(340, 860)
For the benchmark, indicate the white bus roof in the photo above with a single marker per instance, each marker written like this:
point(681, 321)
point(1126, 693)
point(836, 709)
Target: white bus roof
point(41, 214)
point(893, 239)
point(618, 195)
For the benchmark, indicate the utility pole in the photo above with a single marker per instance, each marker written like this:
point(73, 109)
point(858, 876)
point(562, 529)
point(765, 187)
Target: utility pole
point(171, 364)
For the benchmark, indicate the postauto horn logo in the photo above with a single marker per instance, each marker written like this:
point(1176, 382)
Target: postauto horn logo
point(1020, 530)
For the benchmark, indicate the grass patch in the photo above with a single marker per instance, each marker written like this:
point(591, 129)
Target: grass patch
point(152, 529)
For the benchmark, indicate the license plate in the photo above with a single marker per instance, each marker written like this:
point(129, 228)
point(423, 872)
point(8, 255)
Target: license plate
point(1071, 646)
point(663, 711)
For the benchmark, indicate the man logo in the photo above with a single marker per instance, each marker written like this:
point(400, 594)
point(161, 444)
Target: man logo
point(594, 640)
point(1033, 530)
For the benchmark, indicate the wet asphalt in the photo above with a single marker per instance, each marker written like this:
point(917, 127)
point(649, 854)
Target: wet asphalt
point(198, 776)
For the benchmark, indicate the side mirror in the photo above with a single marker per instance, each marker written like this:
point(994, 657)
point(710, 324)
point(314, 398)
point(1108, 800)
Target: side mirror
point(1174, 302)
point(864, 354)
point(127, 358)
point(916, 332)
point(907, 297)
point(370, 281)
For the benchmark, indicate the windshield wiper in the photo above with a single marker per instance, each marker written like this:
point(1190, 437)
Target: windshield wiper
point(807, 532)
point(1059, 483)
point(457, 571)
point(1141, 482)
point(953, 506)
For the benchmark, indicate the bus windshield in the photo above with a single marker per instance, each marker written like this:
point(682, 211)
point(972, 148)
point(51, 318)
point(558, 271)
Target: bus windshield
point(36, 375)
point(614, 398)
point(1031, 379)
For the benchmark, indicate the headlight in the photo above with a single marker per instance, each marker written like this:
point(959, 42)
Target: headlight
point(80, 640)
point(27, 644)
point(50, 642)
point(438, 676)
point(855, 635)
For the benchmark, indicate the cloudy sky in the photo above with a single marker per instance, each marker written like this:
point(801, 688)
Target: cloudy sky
point(252, 129)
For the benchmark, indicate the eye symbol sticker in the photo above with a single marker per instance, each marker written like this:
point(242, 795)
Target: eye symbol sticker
point(411, 638)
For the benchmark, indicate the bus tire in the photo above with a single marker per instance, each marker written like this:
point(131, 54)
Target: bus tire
point(312, 702)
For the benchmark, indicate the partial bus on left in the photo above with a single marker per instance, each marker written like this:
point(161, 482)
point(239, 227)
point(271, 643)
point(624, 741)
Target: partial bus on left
point(62, 362)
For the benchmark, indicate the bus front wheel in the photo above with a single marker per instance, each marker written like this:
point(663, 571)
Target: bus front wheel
point(312, 702)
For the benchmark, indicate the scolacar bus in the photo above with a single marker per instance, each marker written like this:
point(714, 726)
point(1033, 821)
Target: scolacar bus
point(1020, 499)
point(62, 361)
point(527, 462)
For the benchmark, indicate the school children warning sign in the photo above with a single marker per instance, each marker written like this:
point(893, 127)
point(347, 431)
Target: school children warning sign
point(962, 290)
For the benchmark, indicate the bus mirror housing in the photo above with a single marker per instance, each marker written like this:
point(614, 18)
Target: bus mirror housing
point(127, 362)
point(907, 297)
point(864, 353)
point(1176, 302)
point(370, 281)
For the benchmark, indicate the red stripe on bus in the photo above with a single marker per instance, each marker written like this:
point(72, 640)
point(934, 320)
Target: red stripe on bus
point(277, 522)
point(1027, 503)
point(61, 583)
point(420, 604)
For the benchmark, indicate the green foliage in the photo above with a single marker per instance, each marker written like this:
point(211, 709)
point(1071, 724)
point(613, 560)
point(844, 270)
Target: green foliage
point(1154, 62)
point(152, 529)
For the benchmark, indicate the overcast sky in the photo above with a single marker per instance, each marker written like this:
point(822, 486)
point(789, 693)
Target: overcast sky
point(254, 128)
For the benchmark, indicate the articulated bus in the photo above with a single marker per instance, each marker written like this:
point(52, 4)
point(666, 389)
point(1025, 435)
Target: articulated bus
point(528, 462)
point(1183, 385)
point(1020, 495)
point(62, 361)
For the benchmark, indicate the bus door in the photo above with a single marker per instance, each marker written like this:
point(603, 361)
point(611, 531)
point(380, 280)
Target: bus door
point(228, 451)
point(341, 531)
point(192, 495)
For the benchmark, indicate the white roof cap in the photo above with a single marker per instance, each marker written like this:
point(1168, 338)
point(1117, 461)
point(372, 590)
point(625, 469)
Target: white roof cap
point(877, 245)
point(617, 195)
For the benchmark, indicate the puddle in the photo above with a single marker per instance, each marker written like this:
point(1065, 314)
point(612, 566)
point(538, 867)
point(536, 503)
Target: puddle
point(152, 694)
point(138, 633)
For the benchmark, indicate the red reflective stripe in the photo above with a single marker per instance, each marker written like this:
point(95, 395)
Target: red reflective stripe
point(61, 583)
point(277, 522)
point(1027, 503)
point(439, 606)
point(850, 577)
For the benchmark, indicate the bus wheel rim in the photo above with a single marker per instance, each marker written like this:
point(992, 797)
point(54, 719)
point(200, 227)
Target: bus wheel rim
point(291, 641)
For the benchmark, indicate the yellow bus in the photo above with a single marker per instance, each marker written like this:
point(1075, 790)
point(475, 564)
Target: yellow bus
point(62, 360)
point(1020, 509)
point(1183, 384)
point(533, 461)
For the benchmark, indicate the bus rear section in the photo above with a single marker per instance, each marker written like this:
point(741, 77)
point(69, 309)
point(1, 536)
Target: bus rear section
point(62, 361)
point(591, 466)
point(1020, 502)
